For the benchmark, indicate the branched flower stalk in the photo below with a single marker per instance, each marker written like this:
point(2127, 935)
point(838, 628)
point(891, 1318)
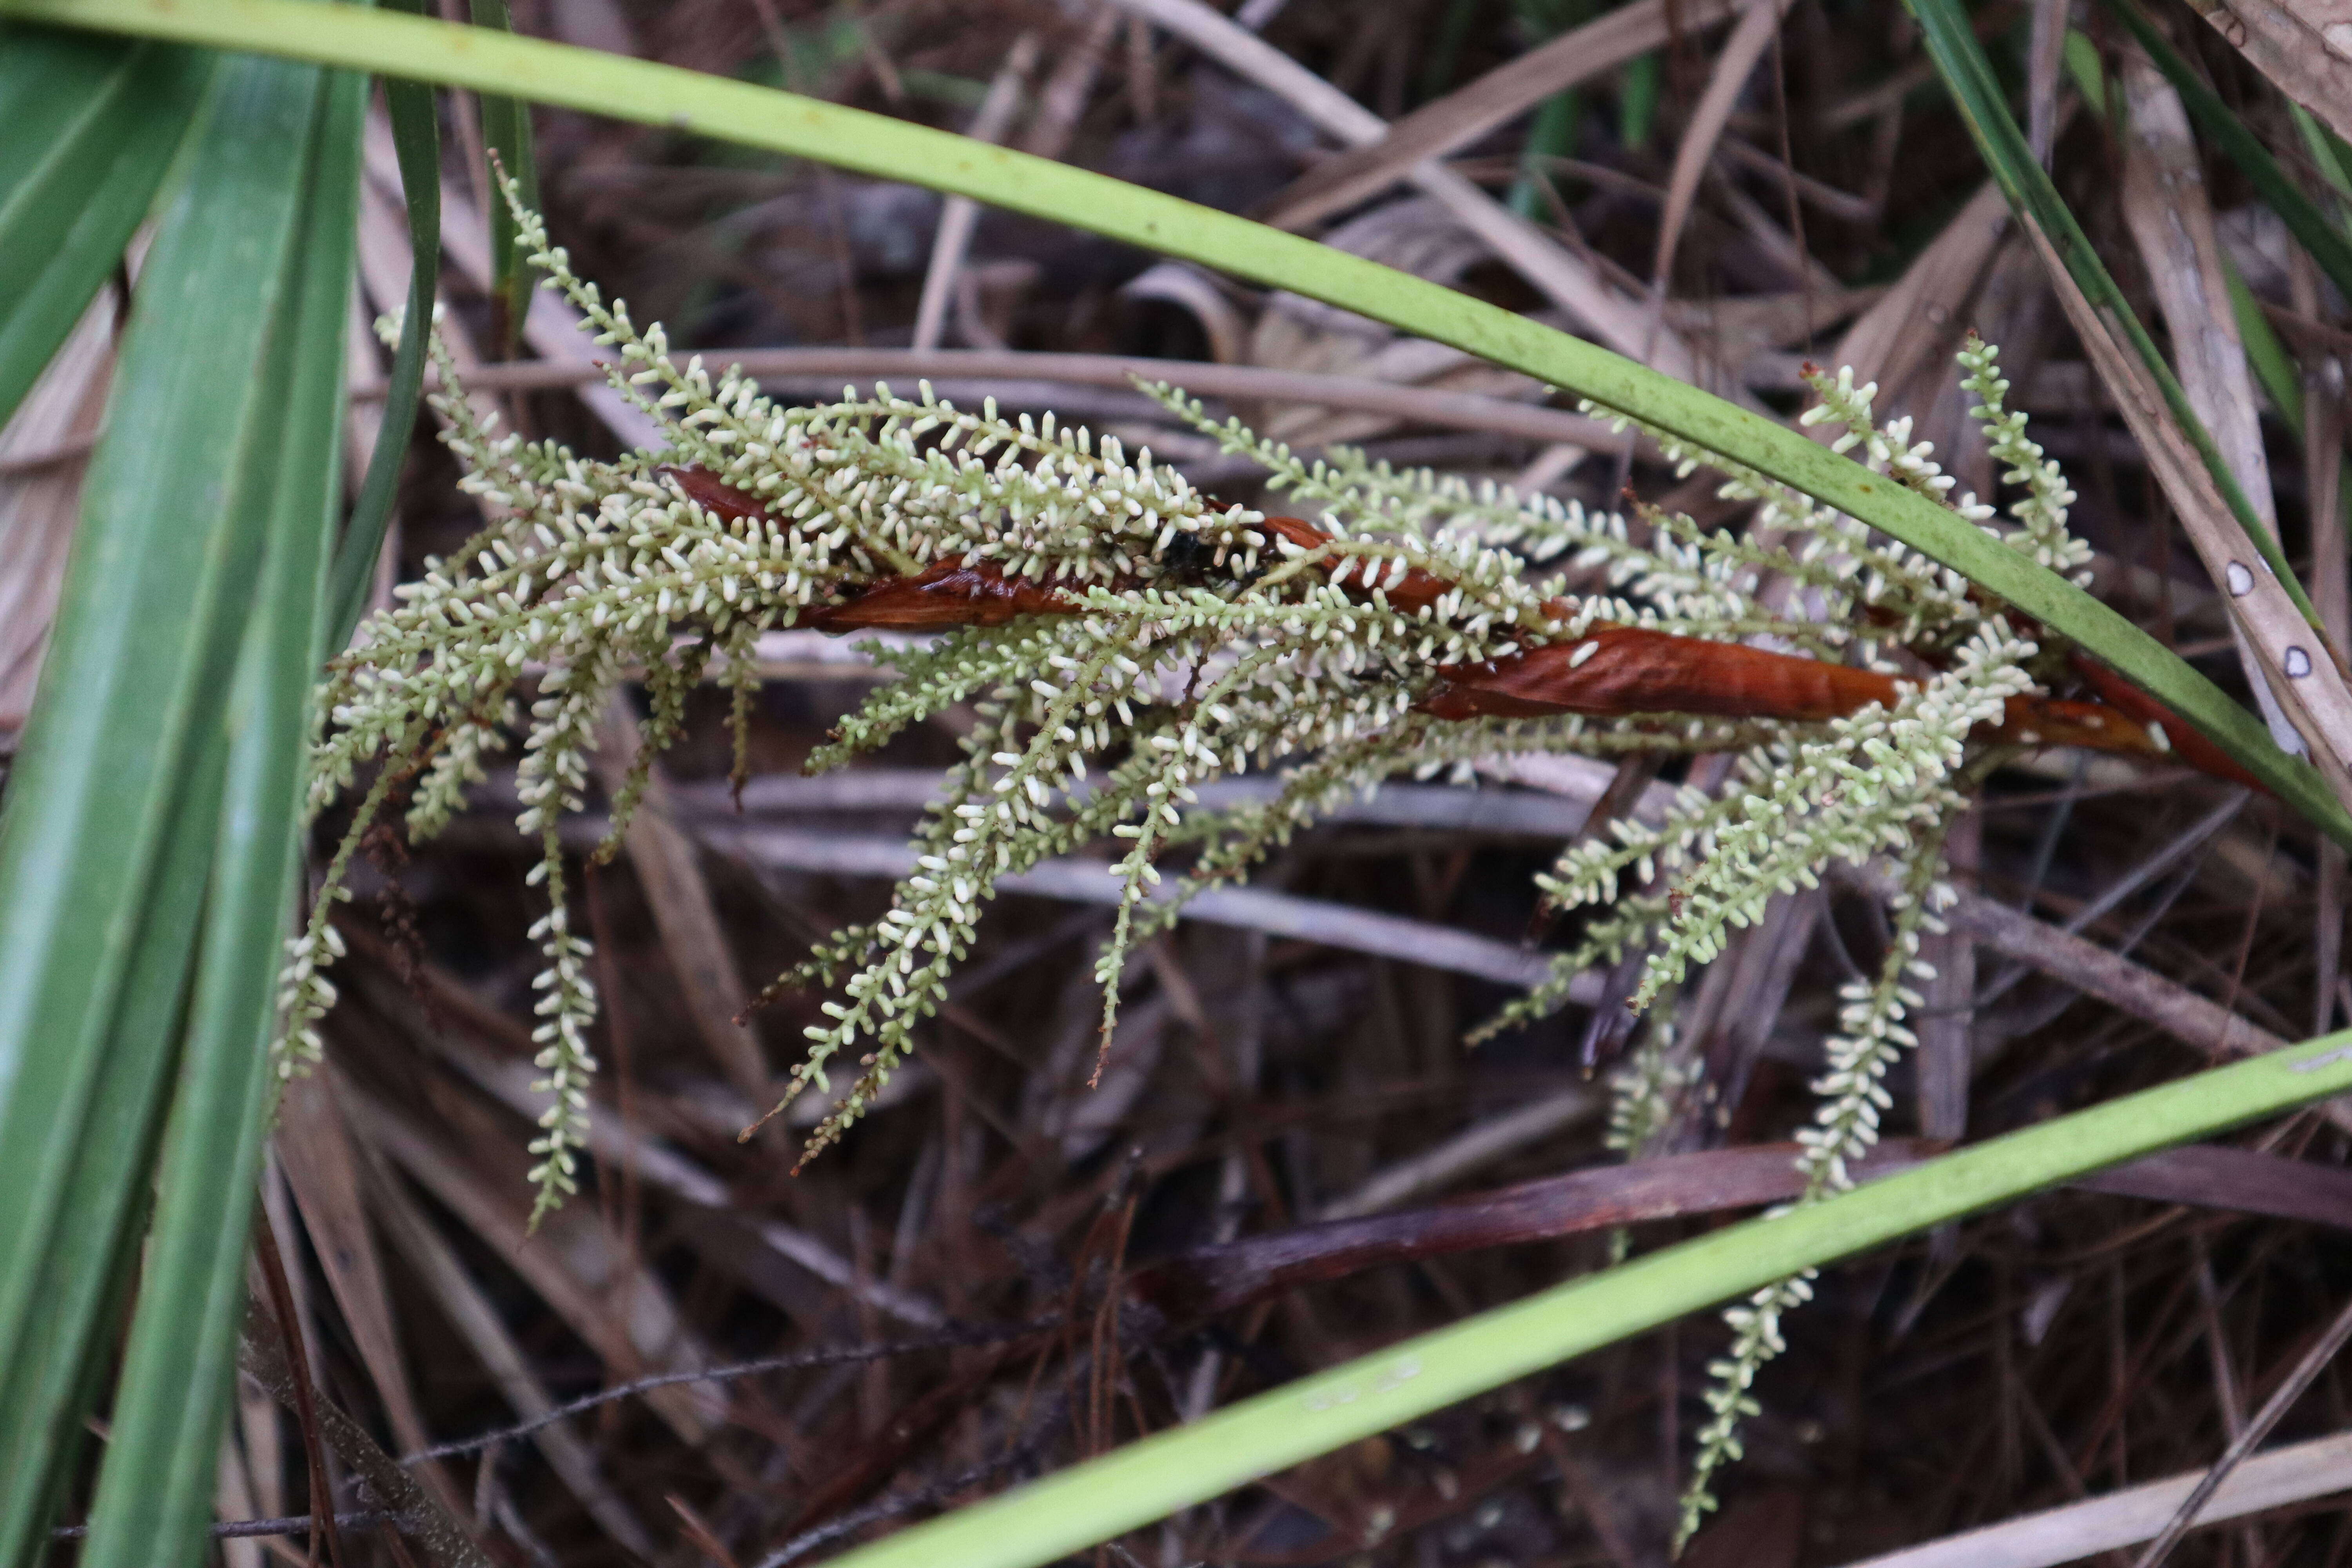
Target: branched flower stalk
point(1871, 1035)
point(1122, 640)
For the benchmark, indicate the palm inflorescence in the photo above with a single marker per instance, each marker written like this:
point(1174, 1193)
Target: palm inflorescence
point(1121, 639)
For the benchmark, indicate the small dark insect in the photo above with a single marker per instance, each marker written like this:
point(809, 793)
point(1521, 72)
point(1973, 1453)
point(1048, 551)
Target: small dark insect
point(1188, 556)
point(1192, 561)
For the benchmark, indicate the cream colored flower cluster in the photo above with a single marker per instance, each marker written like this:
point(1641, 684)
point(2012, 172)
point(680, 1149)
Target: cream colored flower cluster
point(1881, 782)
point(1196, 644)
point(1189, 641)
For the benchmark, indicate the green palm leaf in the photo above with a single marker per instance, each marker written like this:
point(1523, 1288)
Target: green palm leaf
point(156, 785)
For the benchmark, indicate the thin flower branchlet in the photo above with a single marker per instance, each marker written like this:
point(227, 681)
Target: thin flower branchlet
point(1234, 839)
point(1455, 750)
point(1647, 1088)
point(906, 483)
point(2040, 512)
point(460, 765)
point(305, 994)
point(1872, 785)
point(566, 1007)
point(957, 668)
point(1887, 448)
point(936, 912)
point(1628, 926)
point(1880, 593)
point(1185, 759)
point(1881, 781)
point(1871, 1032)
point(1871, 1035)
point(1647, 1091)
point(1686, 579)
point(1756, 1339)
point(667, 686)
point(738, 674)
point(1415, 503)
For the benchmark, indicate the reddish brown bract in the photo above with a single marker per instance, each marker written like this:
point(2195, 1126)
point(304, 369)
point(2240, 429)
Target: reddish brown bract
point(1609, 672)
point(1417, 591)
point(1628, 670)
point(714, 494)
point(949, 594)
point(1613, 671)
point(2195, 749)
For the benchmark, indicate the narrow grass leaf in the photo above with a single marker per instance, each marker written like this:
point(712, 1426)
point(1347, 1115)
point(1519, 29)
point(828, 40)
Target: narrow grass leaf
point(505, 134)
point(2329, 153)
point(2274, 367)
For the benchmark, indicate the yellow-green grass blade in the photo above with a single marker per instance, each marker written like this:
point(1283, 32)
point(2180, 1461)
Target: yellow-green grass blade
point(1149, 1480)
point(87, 127)
point(156, 1485)
point(695, 103)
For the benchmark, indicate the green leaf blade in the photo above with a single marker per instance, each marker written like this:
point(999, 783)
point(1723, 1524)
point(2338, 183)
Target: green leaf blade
point(92, 129)
point(416, 142)
point(107, 840)
point(155, 1489)
point(506, 136)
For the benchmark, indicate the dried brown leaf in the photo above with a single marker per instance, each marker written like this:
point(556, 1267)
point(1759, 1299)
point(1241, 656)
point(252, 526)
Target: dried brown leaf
point(1759, 24)
point(2305, 47)
point(578, 1268)
point(479, 1323)
point(314, 1148)
point(671, 879)
point(1468, 112)
point(1571, 281)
